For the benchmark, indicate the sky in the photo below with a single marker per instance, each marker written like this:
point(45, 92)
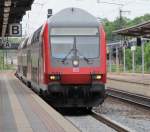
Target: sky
point(100, 8)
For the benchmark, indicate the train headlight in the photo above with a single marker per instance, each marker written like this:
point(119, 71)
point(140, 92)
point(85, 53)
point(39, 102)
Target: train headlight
point(54, 77)
point(96, 77)
point(75, 63)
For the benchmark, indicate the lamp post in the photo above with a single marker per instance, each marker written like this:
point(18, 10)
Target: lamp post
point(110, 59)
point(117, 59)
point(124, 59)
point(142, 58)
point(124, 54)
point(133, 48)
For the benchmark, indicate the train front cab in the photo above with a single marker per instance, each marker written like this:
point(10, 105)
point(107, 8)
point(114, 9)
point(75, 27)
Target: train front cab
point(74, 60)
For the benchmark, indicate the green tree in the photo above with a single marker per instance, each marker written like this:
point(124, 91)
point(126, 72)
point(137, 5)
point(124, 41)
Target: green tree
point(128, 59)
point(138, 59)
point(147, 56)
point(111, 26)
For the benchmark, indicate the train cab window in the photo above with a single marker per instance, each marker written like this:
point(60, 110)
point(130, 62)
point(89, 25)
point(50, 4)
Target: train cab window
point(86, 40)
point(88, 46)
point(61, 46)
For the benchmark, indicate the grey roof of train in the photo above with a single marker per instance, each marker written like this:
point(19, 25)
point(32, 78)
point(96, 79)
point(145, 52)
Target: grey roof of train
point(73, 17)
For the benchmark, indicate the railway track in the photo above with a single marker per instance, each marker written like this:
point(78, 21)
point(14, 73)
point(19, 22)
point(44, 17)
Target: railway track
point(111, 123)
point(129, 97)
point(96, 122)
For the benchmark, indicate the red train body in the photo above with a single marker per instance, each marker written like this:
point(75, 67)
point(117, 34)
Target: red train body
point(65, 59)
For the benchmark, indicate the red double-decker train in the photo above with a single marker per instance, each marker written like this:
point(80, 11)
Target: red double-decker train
point(65, 60)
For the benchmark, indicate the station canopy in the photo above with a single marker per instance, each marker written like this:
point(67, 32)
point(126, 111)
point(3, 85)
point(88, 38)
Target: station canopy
point(140, 30)
point(12, 11)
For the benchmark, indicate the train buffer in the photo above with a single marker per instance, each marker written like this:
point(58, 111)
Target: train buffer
point(21, 110)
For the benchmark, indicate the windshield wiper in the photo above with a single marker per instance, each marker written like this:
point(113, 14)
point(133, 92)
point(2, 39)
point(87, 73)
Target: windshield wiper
point(85, 58)
point(75, 54)
point(73, 49)
point(65, 58)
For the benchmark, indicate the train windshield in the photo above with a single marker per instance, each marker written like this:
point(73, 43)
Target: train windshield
point(86, 41)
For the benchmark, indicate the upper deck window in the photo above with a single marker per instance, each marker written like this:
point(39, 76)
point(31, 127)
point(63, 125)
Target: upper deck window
point(74, 31)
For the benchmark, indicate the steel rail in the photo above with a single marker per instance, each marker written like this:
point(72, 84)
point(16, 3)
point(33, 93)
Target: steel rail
point(111, 123)
point(129, 97)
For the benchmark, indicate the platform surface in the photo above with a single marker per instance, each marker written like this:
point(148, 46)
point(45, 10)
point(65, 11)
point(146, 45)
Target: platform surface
point(21, 110)
point(130, 77)
point(129, 82)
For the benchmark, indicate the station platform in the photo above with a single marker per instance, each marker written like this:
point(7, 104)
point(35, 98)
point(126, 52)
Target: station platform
point(130, 82)
point(21, 110)
point(131, 77)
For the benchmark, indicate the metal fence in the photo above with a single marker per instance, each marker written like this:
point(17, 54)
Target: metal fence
point(133, 59)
